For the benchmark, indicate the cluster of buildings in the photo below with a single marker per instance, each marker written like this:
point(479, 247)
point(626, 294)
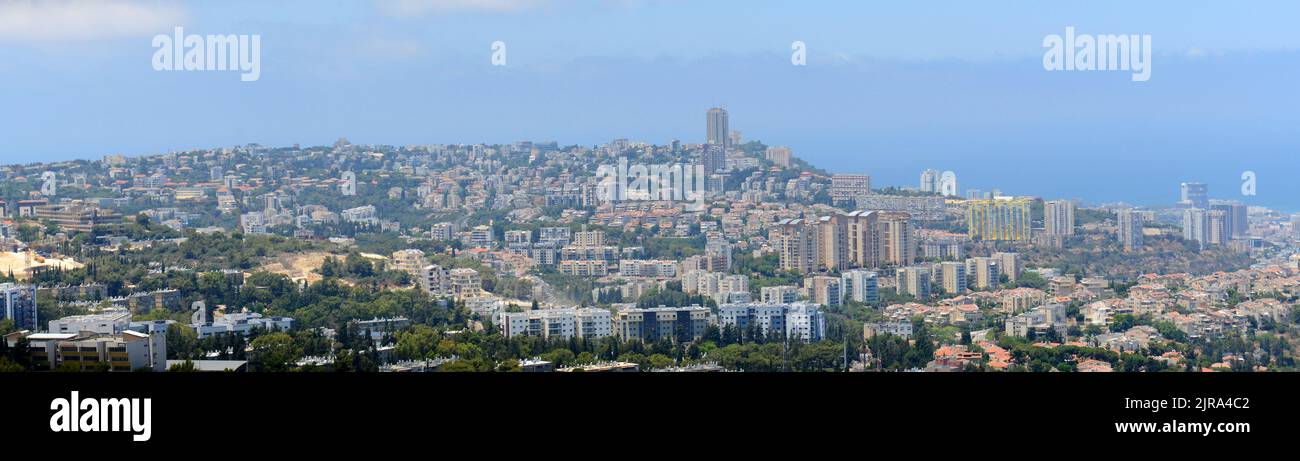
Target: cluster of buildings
point(107, 340)
point(724, 288)
point(956, 277)
point(1221, 224)
point(755, 208)
point(1199, 307)
point(859, 239)
point(797, 321)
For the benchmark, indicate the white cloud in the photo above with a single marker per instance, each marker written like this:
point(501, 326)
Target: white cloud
point(82, 20)
point(419, 7)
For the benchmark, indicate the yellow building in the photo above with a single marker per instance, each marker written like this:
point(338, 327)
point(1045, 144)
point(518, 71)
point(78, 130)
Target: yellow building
point(1002, 218)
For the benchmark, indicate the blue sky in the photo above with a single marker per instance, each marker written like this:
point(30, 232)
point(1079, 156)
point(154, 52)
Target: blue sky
point(889, 89)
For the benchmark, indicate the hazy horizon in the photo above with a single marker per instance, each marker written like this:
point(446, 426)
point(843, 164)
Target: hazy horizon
point(888, 90)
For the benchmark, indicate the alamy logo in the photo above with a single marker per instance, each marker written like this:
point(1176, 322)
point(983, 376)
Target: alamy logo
point(498, 53)
point(1101, 52)
point(214, 52)
point(1248, 183)
point(102, 415)
point(659, 182)
point(49, 183)
point(349, 186)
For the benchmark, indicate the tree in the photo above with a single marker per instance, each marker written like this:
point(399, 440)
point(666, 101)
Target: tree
point(331, 268)
point(1122, 322)
point(343, 362)
point(1032, 280)
point(359, 266)
point(417, 343)
point(660, 361)
point(510, 365)
point(9, 366)
point(186, 366)
point(182, 342)
point(275, 352)
point(66, 367)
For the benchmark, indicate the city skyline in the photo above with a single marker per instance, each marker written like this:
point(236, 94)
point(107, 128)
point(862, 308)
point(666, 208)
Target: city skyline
point(277, 205)
point(1176, 198)
point(1217, 103)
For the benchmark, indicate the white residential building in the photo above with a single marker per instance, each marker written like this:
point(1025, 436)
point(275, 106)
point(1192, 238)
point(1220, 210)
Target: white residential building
point(108, 323)
point(587, 323)
point(241, 323)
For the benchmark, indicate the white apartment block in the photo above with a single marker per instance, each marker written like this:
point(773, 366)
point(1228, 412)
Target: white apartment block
point(647, 268)
point(108, 323)
point(557, 235)
point(586, 323)
point(241, 323)
point(481, 237)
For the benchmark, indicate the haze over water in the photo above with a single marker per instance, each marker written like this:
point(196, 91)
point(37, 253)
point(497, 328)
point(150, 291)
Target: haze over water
point(887, 90)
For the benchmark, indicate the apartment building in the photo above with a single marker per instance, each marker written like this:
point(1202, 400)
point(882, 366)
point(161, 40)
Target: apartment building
point(680, 324)
point(914, 280)
point(18, 303)
point(127, 350)
point(999, 219)
point(586, 323)
point(409, 261)
point(795, 321)
point(108, 323)
point(859, 285)
point(77, 217)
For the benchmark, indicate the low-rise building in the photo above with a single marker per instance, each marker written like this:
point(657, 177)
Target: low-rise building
point(605, 367)
point(647, 268)
point(77, 217)
point(871, 330)
point(241, 323)
point(592, 268)
point(128, 350)
point(110, 322)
